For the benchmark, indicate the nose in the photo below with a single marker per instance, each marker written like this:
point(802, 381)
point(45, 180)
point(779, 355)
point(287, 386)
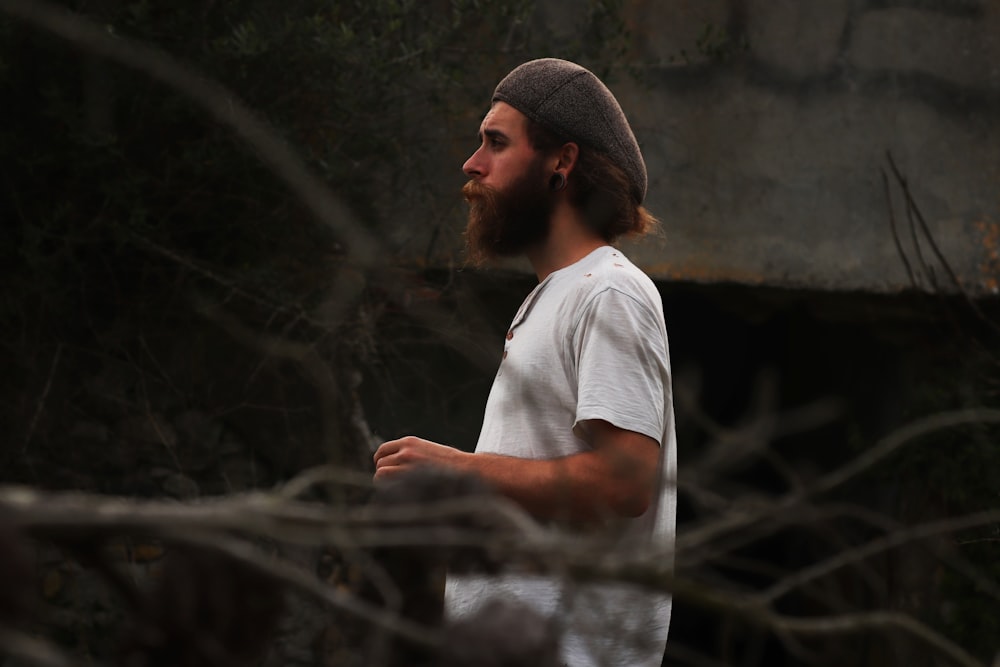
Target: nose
point(473, 167)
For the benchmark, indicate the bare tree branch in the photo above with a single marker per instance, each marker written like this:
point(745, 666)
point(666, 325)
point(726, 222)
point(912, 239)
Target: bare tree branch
point(218, 101)
point(895, 231)
point(215, 524)
point(750, 512)
point(866, 622)
point(895, 539)
point(32, 651)
point(41, 400)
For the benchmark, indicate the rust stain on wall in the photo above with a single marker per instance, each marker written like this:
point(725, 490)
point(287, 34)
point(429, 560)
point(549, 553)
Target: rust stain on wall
point(702, 273)
point(989, 268)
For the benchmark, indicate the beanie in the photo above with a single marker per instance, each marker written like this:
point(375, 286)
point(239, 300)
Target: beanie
point(572, 102)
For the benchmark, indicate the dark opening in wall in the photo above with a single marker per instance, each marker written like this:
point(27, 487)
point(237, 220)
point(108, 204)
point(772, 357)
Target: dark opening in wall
point(777, 389)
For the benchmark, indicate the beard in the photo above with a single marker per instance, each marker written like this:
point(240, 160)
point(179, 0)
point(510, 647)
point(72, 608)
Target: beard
point(504, 223)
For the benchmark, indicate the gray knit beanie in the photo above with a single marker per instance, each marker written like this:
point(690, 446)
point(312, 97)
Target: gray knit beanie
point(570, 101)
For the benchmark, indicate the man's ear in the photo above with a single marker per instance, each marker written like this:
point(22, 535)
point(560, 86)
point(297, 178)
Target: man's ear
point(568, 155)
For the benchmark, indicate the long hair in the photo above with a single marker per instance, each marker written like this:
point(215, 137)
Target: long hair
point(599, 189)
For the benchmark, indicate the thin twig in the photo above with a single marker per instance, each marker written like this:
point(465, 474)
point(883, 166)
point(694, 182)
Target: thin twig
point(326, 474)
point(747, 609)
point(913, 210)
point(273, 305)
point(895, 230)
point(924, 228)
point(928, 271)
point(866, 622)
point(305, 582)
point(746, 515)
point(893, 540)
point(41, 400)
point(979, 541)
point(903, 436)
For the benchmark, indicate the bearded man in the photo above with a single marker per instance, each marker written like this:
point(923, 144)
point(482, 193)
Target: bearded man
point(579, 426)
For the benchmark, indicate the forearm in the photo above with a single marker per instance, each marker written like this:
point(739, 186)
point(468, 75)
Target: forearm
point(616, 477)
point(581, 487)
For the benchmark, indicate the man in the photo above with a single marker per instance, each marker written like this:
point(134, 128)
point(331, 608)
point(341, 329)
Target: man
point(579, 423)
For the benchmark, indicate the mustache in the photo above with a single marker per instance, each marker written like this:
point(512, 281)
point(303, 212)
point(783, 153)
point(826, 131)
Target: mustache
point(474, 190)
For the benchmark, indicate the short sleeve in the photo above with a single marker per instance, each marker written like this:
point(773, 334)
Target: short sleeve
point(621, 353)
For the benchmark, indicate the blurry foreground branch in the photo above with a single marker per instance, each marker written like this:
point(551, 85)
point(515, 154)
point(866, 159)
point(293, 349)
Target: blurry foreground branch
point(238, 528)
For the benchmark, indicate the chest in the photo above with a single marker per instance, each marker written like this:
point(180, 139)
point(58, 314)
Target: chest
point(538, 343)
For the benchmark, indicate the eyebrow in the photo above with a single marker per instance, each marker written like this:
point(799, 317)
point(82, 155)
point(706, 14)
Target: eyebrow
point(493, 134)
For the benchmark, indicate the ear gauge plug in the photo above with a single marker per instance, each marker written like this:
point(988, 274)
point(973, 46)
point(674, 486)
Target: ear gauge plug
point(557, 182)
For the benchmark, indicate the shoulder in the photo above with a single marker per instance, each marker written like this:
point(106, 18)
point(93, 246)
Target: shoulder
point(611, 271)
point(601, 285)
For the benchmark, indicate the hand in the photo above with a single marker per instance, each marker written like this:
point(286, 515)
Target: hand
point(397, 456)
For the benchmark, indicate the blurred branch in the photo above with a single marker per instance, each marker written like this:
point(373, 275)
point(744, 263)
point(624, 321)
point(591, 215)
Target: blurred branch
point(895, 539)
point(264, 515)
point(217, 100)
point(298, 579)
point(366, 251)
point(750, 512)
point(229, 283)
point(23, 647)
point(902, 436)
point(785, 627)
point(866, 622)
point(229, 526)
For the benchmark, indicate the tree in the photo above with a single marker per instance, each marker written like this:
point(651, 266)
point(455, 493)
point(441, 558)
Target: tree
point(192, 292)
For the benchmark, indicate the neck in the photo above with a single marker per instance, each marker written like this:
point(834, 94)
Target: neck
point(569, 240)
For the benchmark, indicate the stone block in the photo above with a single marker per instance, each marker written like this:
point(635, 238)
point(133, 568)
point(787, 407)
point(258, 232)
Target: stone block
point(801, 38)
point(669, 32)
point(959, 49)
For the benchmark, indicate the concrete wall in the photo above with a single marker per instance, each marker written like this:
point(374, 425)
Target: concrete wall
point(768, 168)
point(767, 126)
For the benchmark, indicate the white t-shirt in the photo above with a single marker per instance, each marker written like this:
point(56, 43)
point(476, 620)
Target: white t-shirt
point(589, 342)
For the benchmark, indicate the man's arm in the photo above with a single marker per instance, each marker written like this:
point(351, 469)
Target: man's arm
point(616, 477)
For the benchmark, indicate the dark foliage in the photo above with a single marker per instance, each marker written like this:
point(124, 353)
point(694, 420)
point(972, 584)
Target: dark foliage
point(173, 321)
point(17, 595)
point(140, 233)
point(206, 609)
